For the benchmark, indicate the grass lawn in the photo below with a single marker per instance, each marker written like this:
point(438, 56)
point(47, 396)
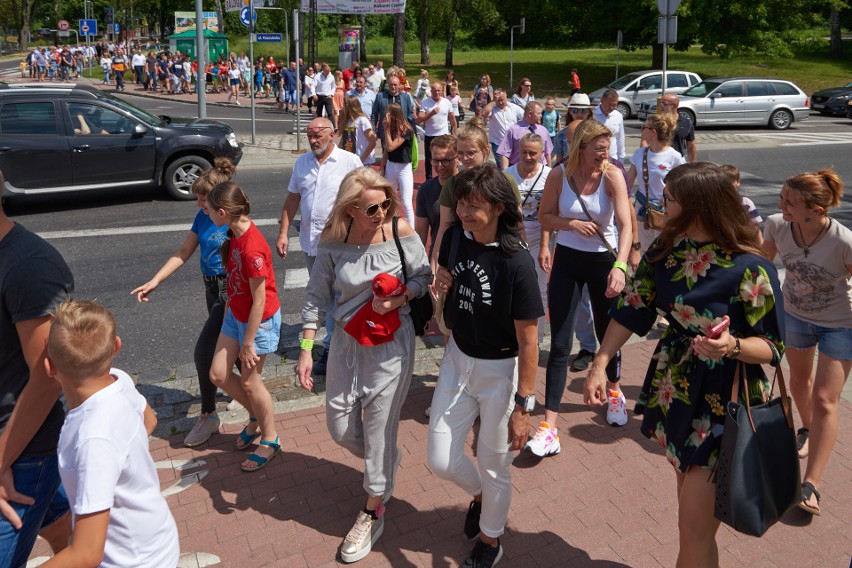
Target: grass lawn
point(548, 69)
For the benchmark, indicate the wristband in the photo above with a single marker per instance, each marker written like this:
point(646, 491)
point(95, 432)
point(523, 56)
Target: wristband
point(306, 344)
point(622, 266)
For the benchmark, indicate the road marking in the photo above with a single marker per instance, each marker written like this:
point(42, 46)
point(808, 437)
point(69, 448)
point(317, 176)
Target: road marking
point(197, 560)
point(296, 278)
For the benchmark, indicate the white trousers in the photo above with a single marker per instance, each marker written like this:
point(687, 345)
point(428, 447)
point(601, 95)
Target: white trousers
point(467, 388)
point(533, 231)
point(402, 178)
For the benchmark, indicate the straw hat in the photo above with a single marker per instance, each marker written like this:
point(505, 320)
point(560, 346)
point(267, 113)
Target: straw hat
point(580, 100)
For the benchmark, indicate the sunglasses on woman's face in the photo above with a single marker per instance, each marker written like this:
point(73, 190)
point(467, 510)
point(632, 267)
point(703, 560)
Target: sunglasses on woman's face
point(579, 110)
point(373, 209)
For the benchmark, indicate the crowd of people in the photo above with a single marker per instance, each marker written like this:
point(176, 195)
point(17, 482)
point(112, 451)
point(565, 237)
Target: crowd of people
point(526, 209)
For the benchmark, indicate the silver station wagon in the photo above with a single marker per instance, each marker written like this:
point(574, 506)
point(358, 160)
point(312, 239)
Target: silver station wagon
point(740, 100)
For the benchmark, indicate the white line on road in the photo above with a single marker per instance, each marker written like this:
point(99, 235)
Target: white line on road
point(295, 278)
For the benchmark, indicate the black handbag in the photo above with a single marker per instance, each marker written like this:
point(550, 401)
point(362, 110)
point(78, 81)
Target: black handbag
point(421, 307)
point(757, 474)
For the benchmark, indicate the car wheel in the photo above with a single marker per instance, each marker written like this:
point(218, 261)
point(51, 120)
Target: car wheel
point(781, 119)
point(624, 109)
point(181, 174)
point(687, 114)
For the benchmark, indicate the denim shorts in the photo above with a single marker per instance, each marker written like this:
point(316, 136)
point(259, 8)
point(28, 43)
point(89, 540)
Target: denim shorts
point(37, 478)
point(266, 340)
point(836, 342)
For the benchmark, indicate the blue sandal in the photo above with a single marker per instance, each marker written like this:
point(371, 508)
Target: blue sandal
point(245, 439)
point(260, 460)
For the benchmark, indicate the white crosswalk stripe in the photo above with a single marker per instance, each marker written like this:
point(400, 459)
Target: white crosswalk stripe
point(805, 138)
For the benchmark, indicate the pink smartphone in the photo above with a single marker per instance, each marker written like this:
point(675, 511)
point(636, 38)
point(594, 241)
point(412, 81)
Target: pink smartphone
point(715, 331)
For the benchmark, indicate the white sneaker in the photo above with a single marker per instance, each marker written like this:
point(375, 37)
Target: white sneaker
point(545, 442)
point(205, 426)
point(364, 534)
point(616, 411)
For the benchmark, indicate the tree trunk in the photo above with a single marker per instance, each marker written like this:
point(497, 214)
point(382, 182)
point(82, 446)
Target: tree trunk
point(399, 40)
point(836, 39)
point(423, 24)
point(451, 33)
point(221, 15)
point(363, 54)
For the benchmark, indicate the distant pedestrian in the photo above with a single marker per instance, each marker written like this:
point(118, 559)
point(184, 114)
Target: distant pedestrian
point(606, 113)
point(120, 517)
point(523, 94)
point(575, 82)
point(396, 158)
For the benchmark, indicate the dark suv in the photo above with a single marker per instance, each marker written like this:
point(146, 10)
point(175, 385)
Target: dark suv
point(58, 138)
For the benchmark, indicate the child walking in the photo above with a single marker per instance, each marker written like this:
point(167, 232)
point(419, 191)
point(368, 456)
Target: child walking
point(120, 519)
point(252, 321)
point(357, 135)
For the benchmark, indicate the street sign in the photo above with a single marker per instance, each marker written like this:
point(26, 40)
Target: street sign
point(268, 38)
point(88, 28)
point(63, 33)
point(116, 28)
point(244, 16)
point(667, 7)
point(109, 20)
point(63, 25)
point(667, 30)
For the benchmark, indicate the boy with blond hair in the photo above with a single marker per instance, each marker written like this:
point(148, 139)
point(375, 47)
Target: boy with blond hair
point(119, 517)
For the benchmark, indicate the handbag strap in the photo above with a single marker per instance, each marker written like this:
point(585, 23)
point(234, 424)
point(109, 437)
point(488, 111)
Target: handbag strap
point(645, 175)
point(586, 211)
point(782, 386)
point(538, 177)
point(399, 249)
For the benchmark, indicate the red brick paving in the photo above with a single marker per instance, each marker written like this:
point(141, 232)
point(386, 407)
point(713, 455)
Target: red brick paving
point(607, 500)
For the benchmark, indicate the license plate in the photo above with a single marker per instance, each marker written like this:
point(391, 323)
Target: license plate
point(817, 107)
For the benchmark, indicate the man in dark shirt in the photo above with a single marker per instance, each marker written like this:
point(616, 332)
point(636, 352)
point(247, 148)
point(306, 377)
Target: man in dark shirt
point(684, 137)
point(427, 215)
point(34, 279)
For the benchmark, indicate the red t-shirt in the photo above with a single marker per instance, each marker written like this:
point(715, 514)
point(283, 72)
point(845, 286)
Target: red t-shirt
point(250, 257)
point(348, 73)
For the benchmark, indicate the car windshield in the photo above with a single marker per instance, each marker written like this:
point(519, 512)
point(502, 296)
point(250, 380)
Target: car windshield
point(702, 89)
point(624, 81)
point(142, 115)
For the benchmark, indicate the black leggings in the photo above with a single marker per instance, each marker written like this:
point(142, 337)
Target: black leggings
point(573, 269)
point(205, 347)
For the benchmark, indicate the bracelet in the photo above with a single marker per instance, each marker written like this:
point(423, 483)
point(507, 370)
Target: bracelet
point(306, 344)
point(404, 299)
point(622, 266)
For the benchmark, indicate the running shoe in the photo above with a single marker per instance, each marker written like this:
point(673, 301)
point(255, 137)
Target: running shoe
point(616, 411)
point(545, 442)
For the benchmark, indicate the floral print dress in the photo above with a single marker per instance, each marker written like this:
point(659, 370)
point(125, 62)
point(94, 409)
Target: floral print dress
point(684, 396)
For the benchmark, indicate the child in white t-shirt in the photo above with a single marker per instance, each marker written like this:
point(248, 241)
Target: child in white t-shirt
point(119, 517)
point(748, 204)
point(358, 135)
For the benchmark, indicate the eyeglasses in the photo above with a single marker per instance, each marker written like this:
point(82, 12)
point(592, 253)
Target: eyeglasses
point(665, 104)
point(373, 209)
point(527, 85)
point(483, 78)
point(447, 162)
point(318, 132)
point(579, 110)
point(666, 200)
point(467, 155)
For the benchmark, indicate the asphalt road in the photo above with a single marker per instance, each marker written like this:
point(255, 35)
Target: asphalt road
point(140, 229)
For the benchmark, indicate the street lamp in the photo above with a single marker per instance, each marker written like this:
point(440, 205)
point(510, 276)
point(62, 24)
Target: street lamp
point(522, 26)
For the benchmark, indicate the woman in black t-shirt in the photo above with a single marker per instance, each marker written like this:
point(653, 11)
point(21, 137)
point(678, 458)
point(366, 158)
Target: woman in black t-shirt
point(490, 362)
point(397, 158)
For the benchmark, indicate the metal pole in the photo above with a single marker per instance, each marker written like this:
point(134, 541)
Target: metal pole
point(665, 52)
point(200, 86)
point(511, 56)
point(298, 83)
point(251, 57)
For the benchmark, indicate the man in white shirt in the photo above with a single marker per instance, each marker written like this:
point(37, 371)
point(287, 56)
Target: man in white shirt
point(325, 93)
point(364, 95)
point(312, 191)
point(380, 71)
point(138, 63)
point(436, 116)
point(500, 114)
point(374, 80)
point(612, 119)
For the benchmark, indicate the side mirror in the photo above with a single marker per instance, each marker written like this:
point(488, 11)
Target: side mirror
point(715, 95)
point(139, 130)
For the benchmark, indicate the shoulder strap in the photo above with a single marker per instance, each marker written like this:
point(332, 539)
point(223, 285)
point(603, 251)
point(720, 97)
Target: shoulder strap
point(529, 192)
point(399, 249)
point(586, 211)
point(645, 172)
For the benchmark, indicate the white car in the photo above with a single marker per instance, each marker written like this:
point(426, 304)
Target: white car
point(740, 100)
point(640, 86)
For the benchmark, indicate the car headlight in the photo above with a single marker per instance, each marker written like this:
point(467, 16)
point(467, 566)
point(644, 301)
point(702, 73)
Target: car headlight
point(232, 139)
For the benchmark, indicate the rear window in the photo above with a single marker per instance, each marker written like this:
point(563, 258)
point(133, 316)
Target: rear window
point(759, 88)
point(28, 118)
point(785, 89)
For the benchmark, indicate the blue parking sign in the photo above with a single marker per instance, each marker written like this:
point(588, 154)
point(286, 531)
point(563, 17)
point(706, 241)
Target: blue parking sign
point(88, 28)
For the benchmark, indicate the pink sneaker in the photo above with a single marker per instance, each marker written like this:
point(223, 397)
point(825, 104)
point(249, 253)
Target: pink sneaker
point(545, 442)
point(616, 412)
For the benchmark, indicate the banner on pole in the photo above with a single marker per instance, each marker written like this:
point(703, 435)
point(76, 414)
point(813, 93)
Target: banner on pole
point(355, 6)
point(186, 21)
point(236, 5)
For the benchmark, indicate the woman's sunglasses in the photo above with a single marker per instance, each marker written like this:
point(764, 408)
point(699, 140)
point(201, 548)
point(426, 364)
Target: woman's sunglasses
point(373, 209)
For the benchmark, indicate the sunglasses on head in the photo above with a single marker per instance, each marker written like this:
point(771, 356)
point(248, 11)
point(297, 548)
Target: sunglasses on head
point(373, 209)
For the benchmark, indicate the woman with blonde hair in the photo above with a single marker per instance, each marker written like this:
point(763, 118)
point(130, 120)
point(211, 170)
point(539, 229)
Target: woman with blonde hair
point(396, 157)
point(651, 164)
point(816, 250)
point(586, 201)
point(357, 135)
point(337, 99)
point(366, 381)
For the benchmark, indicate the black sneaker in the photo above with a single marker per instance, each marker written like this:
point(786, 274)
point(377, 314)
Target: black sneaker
point(471, 521)
point(484, 556)
point(321, 365)
point(582, 360)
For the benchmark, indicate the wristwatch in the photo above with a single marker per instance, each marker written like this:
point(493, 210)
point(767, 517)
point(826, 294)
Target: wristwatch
point(636, 246)
point(735, 350)
point(527, 403)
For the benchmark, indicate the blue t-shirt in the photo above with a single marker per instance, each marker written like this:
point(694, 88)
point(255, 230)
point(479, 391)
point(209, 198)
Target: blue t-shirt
point(210, 239)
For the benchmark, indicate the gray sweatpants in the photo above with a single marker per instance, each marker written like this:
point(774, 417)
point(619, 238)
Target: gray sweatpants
point(365, 390)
